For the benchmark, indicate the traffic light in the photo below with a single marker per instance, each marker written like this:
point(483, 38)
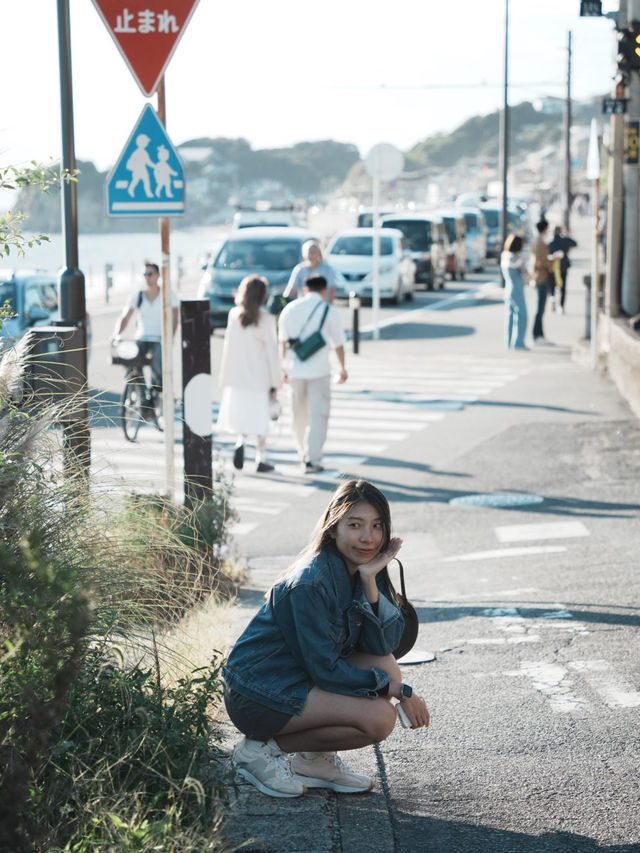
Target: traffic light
point(629, 48)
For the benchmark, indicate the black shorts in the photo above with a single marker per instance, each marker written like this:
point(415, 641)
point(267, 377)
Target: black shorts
point(253, 719)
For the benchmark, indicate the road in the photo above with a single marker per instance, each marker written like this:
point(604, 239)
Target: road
point(514, 480)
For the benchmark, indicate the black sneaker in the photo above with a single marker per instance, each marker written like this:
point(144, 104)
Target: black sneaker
point(238, 457)
point(310, 468)
point(264, 467)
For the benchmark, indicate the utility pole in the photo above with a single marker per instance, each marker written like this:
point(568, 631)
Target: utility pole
point(615, 201)
point(504, 134)
point(567, 143)
point(630, 285)
point(71, 285)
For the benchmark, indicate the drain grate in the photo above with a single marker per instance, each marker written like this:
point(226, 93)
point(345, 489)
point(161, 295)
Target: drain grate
point(498, 499)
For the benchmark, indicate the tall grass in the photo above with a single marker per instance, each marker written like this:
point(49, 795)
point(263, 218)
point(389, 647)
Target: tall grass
point(102, 745)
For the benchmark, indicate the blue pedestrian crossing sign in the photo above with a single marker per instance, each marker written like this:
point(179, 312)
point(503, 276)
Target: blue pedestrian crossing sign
point(148, 179)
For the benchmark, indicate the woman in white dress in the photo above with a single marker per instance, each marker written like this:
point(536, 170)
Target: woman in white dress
point(250, 370)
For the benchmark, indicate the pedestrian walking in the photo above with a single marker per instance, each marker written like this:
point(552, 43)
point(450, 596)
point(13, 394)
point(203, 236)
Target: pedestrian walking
point(314, 672)
point(312, 264)
point(540, 270)
point(515, 277)
point(249, 371)
point(561, 242)
point(310, 379)
point(146, 304)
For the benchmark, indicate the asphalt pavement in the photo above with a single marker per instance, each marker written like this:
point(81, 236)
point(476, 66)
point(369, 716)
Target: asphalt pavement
point(517, 496)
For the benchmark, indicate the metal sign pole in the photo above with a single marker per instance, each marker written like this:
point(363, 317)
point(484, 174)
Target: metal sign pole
point(167, 332)
point(71, 283)
point(595, 279)
point(376, 253)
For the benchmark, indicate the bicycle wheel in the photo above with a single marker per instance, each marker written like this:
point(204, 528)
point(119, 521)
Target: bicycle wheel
point(130, 408)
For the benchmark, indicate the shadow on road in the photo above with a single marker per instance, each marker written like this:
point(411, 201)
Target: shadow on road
point(569, 506)
point(408, 330)
point(433, 835)
point(439, 613)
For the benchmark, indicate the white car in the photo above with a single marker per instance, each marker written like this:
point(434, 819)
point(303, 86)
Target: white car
point(350, 253)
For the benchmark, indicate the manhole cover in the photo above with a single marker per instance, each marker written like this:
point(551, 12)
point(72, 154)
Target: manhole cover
point(498, 499)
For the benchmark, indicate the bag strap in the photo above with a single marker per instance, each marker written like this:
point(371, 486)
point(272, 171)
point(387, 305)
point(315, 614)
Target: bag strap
point(402, 587)
point(324, 317)
point(315, 308)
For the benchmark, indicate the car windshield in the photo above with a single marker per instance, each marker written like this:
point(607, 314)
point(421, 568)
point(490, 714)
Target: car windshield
point(44, 294)
point(450, 227)
point(259, 255)
point(492, 218)
point(360, 246)
point(417, 232)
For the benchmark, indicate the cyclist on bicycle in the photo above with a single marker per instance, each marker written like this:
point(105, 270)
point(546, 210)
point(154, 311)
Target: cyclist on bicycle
point(147, 304)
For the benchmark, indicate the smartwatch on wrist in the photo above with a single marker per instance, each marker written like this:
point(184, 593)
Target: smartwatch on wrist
point(406, 692)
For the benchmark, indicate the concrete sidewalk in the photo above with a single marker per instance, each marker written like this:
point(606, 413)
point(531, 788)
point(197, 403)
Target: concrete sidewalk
point(542, 435)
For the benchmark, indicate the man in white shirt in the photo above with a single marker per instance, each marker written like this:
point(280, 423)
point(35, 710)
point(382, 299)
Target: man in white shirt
point(312, 264)
point(148, 305)
point(310, 380)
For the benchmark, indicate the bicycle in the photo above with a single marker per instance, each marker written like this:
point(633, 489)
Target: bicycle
point(140, 402)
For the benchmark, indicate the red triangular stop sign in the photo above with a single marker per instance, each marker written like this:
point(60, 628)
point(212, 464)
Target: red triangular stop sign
point(146, 32)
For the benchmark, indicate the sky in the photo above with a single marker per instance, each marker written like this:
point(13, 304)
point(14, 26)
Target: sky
point(285, 71)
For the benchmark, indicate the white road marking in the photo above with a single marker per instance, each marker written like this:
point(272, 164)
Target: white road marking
point(548, 530)
point(552, 680)
point(499, 553)
point(615, 691)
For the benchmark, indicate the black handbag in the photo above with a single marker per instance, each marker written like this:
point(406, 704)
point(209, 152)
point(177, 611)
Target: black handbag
point(411, 621)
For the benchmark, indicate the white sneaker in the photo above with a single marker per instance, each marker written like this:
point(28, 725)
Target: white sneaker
point(542, 342)
point(328, 770)
point(267, 767)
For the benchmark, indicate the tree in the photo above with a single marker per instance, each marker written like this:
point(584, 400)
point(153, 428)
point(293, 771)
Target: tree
point(14, 178)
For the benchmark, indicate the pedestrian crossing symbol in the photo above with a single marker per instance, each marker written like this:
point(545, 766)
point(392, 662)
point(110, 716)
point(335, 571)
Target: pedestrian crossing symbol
point(148, 179)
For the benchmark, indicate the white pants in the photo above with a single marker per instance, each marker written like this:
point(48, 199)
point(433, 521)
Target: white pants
point(311, 403)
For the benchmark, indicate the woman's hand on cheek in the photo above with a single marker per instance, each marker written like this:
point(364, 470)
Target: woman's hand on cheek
point(378, 563)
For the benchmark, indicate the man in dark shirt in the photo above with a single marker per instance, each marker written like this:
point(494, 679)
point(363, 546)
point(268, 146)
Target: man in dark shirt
point(561, 242)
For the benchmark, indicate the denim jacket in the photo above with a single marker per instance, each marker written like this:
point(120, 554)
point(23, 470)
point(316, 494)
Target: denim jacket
point(301, 636)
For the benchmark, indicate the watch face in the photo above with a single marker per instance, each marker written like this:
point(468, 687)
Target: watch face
point(406, 691)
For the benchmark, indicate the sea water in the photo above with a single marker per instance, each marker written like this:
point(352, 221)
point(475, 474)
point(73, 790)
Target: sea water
point(126, 253)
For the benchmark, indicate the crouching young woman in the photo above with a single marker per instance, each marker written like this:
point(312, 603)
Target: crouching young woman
point(313, 672)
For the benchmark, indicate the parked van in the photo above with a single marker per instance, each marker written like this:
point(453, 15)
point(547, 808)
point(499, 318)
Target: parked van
point(456, 229)
point(365, 216)
point(427, 239)
point(492, 211)
point(475, 237)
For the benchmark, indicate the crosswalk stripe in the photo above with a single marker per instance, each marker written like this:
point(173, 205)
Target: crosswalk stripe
point(548, 530)
point(384, 403)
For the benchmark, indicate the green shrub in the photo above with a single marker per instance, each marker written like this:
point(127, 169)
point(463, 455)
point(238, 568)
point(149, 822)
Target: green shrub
point(134, 765)
point(96, 752)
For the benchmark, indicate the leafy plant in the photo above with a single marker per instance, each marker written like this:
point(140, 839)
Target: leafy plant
point(16, 178)
point(97, 750)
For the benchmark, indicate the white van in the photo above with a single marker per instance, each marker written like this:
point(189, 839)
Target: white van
point(427, 240)
point(475, 237)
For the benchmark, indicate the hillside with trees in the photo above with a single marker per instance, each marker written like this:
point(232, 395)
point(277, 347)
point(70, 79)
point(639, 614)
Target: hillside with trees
point(222, 173)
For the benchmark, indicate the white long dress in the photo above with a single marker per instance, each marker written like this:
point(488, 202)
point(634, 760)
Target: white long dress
point(249, 368)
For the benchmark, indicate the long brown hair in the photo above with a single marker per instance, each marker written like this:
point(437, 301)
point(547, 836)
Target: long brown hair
point(513, 243)
point(346, 496)
point(251, 296)
point(344, 499)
